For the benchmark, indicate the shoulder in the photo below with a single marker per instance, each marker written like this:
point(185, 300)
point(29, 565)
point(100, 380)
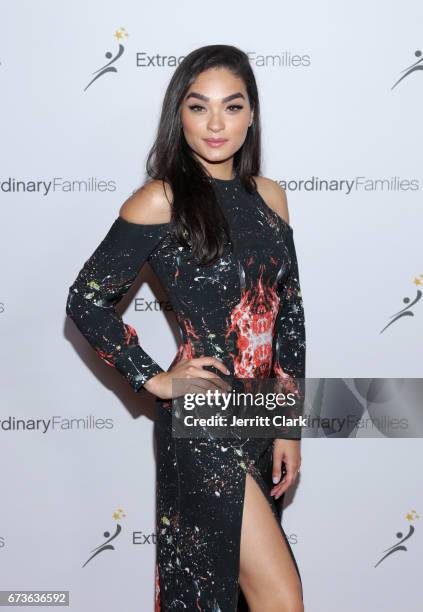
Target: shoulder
point(274, 196)
point(149, 204)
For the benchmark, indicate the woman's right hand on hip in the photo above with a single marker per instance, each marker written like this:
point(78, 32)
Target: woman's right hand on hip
point(188, 376)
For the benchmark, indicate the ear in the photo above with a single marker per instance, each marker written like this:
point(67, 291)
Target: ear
point(251, 118)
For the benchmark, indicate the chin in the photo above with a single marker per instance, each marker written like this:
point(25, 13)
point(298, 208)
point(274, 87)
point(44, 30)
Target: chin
point(220, 154)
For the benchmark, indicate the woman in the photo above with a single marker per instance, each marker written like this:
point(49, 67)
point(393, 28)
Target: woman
point(218, 237)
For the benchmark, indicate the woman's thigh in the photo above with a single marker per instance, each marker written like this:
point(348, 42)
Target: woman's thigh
point(268, 577)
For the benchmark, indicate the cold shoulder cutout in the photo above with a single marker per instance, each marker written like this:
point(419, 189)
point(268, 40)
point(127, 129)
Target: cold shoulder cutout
point(149, 205)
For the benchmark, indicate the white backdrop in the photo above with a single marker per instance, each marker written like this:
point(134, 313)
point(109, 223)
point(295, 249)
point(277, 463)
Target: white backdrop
point(325, 72)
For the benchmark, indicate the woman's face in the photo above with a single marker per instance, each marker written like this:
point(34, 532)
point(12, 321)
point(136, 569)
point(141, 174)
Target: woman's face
point(216, 107)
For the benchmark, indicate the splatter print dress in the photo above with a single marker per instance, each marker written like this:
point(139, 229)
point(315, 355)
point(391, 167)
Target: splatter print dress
point(245, 309)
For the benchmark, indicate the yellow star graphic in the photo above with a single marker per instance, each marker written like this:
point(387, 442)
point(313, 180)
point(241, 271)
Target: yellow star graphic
point(118, 514)
point(121, 33)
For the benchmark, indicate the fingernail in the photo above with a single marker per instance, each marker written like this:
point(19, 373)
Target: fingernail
point(228, 371)
point(275, 479)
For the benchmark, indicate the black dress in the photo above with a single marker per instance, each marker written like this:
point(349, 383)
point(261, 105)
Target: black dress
point(245, 309)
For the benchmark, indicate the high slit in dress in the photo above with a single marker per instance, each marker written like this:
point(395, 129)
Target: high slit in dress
point(245, 309)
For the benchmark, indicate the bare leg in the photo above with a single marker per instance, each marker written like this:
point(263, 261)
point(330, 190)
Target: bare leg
point(268, 577)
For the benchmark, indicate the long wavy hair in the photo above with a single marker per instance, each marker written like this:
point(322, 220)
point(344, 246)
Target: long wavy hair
point(197, 221)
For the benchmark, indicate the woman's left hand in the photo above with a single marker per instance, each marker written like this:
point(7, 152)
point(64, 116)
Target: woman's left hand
point(289, 452)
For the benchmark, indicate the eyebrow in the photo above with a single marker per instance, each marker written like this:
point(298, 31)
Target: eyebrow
point(194, 94)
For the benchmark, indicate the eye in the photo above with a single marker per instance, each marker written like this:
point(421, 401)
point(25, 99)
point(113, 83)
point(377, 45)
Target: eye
point(195, 106)
point(234, 107)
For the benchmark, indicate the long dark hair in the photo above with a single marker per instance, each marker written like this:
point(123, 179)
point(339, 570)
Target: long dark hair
point(197, 220)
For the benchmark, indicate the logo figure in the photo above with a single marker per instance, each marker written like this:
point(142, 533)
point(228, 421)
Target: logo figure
point(118, 514)
point(410, 516)
point(412, 68)
point(119, 34)
point(405, 312)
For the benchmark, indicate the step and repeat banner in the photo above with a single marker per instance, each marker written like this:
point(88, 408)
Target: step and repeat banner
point(81, 91)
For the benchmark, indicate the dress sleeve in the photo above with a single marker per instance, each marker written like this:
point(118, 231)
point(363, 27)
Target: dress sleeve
point(289, 353)
point(100, 285)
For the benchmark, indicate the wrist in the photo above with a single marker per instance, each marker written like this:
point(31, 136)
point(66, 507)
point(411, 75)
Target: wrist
point(152, 383)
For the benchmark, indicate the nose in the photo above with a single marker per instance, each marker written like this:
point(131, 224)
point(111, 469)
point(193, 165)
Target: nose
point(216, 123)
